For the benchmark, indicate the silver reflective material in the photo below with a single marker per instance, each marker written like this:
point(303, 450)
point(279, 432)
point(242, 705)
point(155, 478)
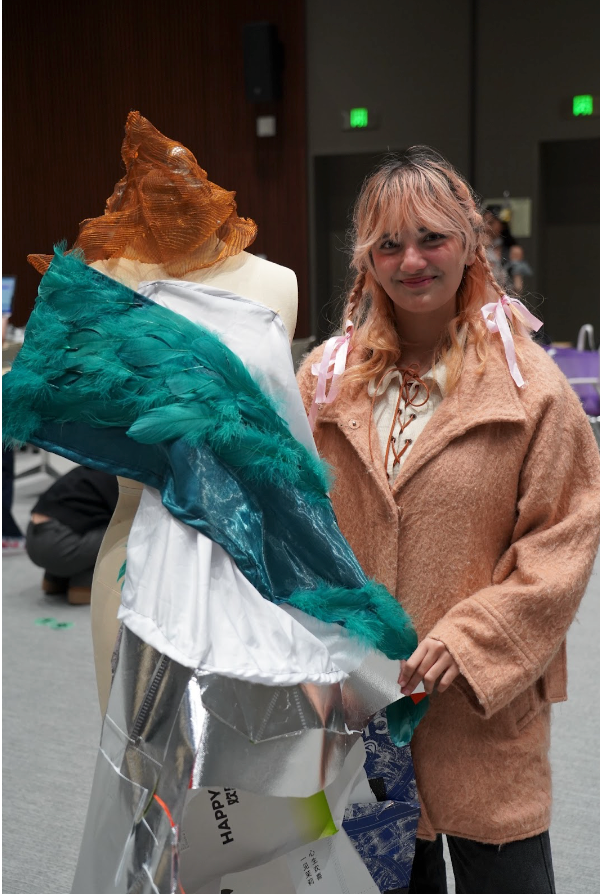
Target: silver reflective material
point(283, 741)
point(168, 727)
point(318, 723)
point(146, 749)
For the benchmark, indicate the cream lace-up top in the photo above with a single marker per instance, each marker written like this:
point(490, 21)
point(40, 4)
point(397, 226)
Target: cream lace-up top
point(400, 418)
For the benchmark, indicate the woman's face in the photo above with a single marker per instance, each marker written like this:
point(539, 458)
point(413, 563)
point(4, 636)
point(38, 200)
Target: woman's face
point(420, 270)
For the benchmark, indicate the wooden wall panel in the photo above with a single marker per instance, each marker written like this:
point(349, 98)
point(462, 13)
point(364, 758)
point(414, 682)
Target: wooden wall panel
point(73, 71)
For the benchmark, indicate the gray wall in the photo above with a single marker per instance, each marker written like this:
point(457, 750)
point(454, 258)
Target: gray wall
point(530, 59)
point(413, 64)
point(530, 56)
point(395, 58)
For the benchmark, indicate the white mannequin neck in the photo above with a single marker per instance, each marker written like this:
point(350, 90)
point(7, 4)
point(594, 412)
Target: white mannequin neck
point(244, 274)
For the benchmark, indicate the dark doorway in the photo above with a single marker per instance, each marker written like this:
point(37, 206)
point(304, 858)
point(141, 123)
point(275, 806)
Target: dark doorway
point(570, 237)
point(338, 179)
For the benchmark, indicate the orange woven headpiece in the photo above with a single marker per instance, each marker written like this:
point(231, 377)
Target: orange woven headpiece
point(163, 211)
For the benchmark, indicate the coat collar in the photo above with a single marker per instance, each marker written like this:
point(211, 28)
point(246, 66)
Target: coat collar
point(479, 399)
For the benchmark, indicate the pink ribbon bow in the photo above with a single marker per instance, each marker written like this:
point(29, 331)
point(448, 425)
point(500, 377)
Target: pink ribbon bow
point(495, 315)
point(332, 365)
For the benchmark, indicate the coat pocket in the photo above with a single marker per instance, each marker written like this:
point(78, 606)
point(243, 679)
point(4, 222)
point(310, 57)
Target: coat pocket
point(526, 706)
point(517, 715)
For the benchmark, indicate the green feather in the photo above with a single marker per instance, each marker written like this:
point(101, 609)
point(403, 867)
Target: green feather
point(169, 423)
point(91, 355)
point(369, 613)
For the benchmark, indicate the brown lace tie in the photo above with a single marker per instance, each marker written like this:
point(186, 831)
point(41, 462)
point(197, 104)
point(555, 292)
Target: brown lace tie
point(410, 384)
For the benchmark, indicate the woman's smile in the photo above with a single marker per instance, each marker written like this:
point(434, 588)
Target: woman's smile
point(417, 282)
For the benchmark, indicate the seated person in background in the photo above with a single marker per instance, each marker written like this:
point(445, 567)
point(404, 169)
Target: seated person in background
point(67, 525)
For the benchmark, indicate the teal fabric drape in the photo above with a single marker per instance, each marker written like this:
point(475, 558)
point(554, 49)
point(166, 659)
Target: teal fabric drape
point(108, 378)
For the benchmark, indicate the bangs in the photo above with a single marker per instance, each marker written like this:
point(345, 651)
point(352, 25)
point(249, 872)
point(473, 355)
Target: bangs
point(410, 199)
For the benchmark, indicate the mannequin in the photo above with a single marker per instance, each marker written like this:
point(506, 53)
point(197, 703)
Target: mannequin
point(245, 275)
point(159, 351)
point(140, 239)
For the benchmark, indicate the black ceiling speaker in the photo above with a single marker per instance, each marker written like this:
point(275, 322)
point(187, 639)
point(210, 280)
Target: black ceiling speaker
point(263, 62)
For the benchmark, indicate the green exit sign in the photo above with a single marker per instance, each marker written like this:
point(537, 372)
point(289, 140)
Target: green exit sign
point(359, 117)
point(583, 105)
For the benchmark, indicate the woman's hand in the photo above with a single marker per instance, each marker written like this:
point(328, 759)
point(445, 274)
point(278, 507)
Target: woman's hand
point(432, 663)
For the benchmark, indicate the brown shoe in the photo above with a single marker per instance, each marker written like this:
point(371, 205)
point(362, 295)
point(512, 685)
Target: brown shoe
point(79, 595)
point(54, 586)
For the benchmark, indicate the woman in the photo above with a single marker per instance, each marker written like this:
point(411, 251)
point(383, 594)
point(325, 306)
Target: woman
point(468, 482)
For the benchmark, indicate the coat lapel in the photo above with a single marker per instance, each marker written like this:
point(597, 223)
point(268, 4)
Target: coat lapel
point(351, 412)
point(478, 399)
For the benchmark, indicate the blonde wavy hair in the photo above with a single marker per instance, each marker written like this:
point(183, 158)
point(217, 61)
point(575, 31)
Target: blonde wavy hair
point(416, 189)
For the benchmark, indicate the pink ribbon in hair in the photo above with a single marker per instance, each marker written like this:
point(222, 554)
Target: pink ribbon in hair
point(495, 315)
point(332, 365)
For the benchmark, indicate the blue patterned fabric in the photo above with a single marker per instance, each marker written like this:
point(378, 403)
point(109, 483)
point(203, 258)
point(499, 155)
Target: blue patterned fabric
point(384, 833)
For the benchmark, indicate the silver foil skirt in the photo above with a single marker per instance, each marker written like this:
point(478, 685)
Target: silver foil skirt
point(169, 728)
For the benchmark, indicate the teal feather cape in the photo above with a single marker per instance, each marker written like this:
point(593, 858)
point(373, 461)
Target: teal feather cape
point(110, 379)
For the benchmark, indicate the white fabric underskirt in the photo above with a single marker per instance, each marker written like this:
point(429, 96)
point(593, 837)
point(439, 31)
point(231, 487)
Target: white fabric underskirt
point(183, 594)
point(186, 597)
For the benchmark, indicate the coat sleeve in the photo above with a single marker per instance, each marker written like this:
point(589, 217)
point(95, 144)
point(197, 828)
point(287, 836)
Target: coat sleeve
point(504, 636)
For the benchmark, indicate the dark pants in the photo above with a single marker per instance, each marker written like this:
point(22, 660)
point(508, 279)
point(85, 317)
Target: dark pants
point(9, 526)
point(520, 867)
point(62, 552)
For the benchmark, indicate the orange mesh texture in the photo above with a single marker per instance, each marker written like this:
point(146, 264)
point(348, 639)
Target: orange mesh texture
point(163, 211)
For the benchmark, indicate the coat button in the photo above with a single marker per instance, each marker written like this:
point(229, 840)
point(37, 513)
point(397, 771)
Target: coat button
point(354, 423)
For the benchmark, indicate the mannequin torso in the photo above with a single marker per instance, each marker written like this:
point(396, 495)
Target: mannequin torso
point(244, 274)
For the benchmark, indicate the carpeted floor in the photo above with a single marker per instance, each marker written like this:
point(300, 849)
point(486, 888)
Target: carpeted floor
point(52, 724)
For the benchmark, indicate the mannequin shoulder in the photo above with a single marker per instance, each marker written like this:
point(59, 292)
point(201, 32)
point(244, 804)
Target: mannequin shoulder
point(261, 281)
point(121, 269)
point(244, 274)
point(280, 279)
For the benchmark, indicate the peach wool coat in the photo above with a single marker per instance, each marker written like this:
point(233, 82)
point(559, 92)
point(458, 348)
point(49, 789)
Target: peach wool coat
point(487, 537)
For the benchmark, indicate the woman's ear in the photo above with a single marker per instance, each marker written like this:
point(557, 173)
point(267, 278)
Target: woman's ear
point(470, 259)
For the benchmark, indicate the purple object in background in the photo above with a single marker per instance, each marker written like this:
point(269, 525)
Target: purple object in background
point(577, 364)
